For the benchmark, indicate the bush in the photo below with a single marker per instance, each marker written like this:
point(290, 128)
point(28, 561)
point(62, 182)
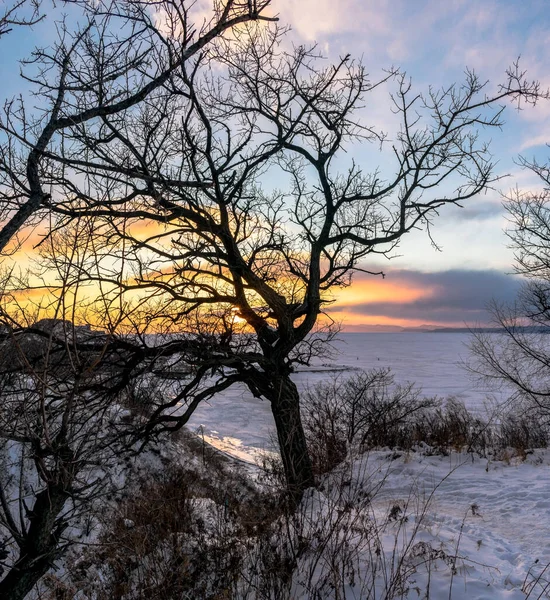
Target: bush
point(367, 409)
point(182, 532)
point(370, 411)
point(173, 539)
point(451, 426)
point(202, 529)
point(524, 431)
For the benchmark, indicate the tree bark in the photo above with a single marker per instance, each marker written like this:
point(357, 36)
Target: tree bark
point(40, 547)
point(285, 406)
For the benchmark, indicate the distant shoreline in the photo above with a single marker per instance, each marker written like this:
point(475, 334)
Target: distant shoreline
point(436, 329)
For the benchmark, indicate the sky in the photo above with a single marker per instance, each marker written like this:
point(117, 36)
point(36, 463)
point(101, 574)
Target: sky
point(434, 42)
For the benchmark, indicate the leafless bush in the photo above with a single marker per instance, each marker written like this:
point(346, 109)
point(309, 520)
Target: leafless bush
point(178, 535)
point(367, 408)
point(451, 426)
point(524, 431)
point(144, 548)
point(369, 411)
point(181, 534)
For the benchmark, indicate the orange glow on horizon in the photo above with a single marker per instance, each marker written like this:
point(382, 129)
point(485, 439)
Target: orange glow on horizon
point(364, 291)
point(378, 291)
point(357, 322)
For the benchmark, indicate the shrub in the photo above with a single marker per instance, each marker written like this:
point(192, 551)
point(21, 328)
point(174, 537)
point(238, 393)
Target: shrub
point(451, 426)
point(369, 410)
point(202, 530)
point(523, 431)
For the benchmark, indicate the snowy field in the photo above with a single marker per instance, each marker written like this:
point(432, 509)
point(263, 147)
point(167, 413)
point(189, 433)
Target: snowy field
point(491, 517)
point(431, 360)
point(485, 521)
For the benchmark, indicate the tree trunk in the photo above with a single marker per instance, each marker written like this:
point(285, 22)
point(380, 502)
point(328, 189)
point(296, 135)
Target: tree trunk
point(41, 545)
point(285, 406)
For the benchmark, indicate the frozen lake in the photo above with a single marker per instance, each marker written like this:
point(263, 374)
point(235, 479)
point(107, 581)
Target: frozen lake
point(431, 360)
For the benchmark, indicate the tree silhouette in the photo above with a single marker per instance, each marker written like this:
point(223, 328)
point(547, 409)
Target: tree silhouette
point(218, 189)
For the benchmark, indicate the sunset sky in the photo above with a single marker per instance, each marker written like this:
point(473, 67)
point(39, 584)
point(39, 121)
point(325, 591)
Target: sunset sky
point(433, 42)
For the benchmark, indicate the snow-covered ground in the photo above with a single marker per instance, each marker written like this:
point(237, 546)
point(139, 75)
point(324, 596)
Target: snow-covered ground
point(494, 515)
point(484, 523)
point(466, 528)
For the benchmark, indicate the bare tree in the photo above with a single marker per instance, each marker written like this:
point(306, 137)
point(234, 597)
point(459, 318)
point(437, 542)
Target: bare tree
point(199, 181)
point(20, 13)
point(519, 358)
point(221, 249)
point(61, 421)
point(173, 155)
point(62, 429)
point(126, 51)
point(72, 400)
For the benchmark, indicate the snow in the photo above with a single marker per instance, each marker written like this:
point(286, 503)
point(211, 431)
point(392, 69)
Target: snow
point(392, 524)
point(494, 515)
point(235, 448)
point(469, 528)
point(476, 527)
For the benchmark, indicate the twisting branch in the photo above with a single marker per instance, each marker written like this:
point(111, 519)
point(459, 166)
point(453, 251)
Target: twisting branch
point(109, 67)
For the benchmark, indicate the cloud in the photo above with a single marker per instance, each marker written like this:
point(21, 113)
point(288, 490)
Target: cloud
point(480, 211)
point(377, 291)
point(540, 139)
point(454, 297)
point(314, 20)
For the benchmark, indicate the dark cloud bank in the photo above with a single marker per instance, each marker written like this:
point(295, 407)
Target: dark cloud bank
point(460, 296)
